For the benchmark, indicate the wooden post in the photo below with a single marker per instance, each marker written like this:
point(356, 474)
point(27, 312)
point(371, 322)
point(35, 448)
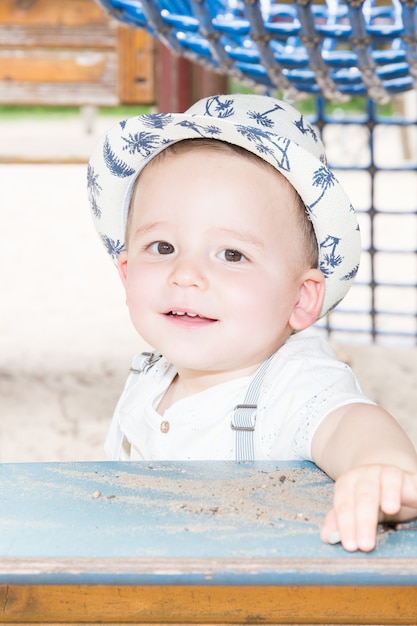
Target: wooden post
point(180, 82)
point(136, 66)
point(174, 88)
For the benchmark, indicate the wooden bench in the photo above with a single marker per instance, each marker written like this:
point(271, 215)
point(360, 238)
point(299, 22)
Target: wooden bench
point(201, 543)
point(72, 53)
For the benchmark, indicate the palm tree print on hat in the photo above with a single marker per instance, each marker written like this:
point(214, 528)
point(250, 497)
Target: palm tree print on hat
point(330, 260)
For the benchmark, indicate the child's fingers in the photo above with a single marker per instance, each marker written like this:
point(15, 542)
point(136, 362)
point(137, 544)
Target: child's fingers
point(356, 509)
point(342, 523)
point(362, 498)
point(364, 502)
point(391, 485)
point(398, 493)
point(409, 492)
point(329, 532)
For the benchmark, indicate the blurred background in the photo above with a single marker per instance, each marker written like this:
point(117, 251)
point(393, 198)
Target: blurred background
point(68, 71)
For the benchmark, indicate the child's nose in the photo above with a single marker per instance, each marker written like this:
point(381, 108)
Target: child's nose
point(188, 272)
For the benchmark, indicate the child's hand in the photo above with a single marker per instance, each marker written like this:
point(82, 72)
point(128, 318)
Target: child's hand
point(365, 496)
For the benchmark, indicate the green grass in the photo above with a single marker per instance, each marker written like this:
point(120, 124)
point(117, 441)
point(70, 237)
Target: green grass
point(64, 111)
point(354, 106)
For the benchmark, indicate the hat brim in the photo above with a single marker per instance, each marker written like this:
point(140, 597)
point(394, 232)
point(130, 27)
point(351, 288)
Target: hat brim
point(127, 148)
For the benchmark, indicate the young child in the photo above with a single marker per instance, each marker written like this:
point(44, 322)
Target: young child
point(232, 236)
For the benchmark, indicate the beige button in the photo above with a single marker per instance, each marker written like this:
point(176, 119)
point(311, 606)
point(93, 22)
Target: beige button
point(164, 427)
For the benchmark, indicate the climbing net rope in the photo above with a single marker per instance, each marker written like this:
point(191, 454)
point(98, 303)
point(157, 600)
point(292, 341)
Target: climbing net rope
point(332, 48)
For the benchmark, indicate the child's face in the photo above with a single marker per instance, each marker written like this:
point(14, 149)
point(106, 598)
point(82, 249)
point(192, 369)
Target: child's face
point(213, 270)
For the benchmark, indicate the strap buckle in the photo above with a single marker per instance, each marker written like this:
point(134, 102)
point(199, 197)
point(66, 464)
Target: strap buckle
point(243, 419)
point(148, 359)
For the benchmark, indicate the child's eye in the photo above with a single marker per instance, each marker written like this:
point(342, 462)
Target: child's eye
point(161, 247)
point(233, 256)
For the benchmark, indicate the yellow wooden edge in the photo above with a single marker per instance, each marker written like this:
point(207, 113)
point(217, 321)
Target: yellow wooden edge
point(43, 160)
point(205, 604)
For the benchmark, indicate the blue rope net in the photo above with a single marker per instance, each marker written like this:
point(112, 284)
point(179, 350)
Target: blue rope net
point(373, 152)
point(332, 48)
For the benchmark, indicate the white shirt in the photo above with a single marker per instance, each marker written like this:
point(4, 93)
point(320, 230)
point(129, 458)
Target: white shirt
point(303, 384)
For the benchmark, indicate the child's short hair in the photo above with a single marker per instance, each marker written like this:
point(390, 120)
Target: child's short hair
point(271, 129)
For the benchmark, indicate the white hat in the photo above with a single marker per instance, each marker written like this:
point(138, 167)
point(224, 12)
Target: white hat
point(271, 129)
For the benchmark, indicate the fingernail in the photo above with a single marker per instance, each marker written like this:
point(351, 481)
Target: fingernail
point(333, 537)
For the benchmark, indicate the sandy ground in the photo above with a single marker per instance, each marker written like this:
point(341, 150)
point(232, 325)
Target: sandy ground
point(66, 339)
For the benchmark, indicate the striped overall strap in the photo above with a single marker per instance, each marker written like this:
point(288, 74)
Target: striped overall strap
point(142, 363)
point(244, 416)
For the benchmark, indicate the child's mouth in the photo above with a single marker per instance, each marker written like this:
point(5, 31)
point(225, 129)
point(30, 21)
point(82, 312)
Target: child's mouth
point(190, 315)
point(181, 313)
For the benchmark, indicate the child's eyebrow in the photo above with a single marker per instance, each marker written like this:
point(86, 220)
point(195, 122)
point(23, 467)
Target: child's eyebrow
point(245, 236)
point(146, 228)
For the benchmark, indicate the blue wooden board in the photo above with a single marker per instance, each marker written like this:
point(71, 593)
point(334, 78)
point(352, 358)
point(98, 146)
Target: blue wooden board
point(188, 523)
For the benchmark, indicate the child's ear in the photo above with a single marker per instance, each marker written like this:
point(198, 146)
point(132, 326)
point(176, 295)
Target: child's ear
point(122, 266)
point(310, 301)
